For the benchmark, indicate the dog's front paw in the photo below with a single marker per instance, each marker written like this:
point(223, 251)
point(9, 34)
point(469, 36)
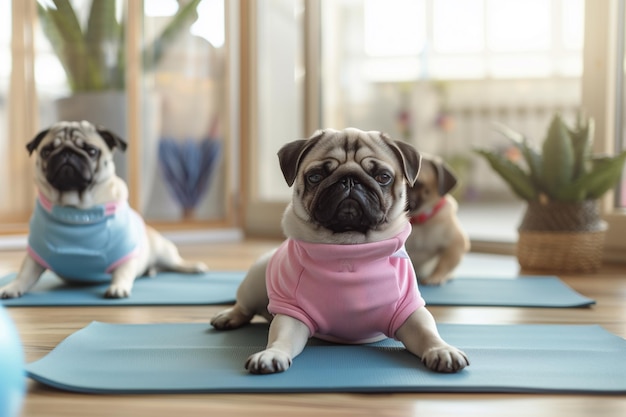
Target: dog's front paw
point(230, 318)
point(268, 361)
point(11, 291)
point(199, 267)
point(435, 279)
point(445, 359)
point(118, 291)
point(190, 267)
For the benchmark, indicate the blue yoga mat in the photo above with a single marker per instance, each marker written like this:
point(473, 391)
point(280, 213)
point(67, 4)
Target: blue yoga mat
point(220, 287)
point(166, 288)
point(187, 358)
point(523, 291)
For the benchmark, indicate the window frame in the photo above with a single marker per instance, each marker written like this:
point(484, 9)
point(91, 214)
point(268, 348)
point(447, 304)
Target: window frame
point(263, 217)
point(602, 97)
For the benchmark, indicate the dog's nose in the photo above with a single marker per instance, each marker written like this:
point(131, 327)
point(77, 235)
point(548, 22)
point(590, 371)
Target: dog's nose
point(348, 182)
point(65, 154)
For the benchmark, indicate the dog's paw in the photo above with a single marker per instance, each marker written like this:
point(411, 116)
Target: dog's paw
point(268, 361)
point(435, 279)
point(445, 359)
point(189, 267)
point(229, 319)
point(118, 291)
point(199, 267)
point(11, 291)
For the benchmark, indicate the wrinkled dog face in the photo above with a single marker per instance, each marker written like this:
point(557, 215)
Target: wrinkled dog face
point(349, 180)
point(73, 156)
point(434, 181)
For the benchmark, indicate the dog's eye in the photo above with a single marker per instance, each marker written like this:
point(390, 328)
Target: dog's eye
point(91, 151)
point(45, 152)
point(315, 178)
point(383, 178)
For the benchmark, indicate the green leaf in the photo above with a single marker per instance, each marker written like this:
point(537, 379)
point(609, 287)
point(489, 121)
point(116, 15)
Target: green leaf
point(531, 155)
point(558, 158)
point(604, 174)
point(96, 59)
point(582, 138)
point(63, 30)
point(153, 53)
point(509, 133)
point(103, 39)
point(62, 27)
point(517, 179)
point(119, 75)
point(57, 41)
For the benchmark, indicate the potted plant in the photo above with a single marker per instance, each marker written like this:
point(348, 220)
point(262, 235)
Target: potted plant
point(94, 59)
point(562, 228)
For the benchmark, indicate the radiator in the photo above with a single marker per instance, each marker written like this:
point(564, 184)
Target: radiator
point(473, 126)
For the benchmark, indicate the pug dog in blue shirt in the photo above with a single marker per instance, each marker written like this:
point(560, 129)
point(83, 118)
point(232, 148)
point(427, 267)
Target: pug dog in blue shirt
point(82, 227)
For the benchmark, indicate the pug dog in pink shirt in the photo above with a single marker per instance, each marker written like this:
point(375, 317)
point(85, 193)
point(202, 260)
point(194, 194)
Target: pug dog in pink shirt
point(342, 274)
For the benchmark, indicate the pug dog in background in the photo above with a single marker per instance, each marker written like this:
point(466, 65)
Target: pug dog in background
point(437, 242)
point(82, 227)
point(342, 275)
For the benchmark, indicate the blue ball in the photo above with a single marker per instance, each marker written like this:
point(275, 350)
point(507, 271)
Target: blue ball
point(12, 375)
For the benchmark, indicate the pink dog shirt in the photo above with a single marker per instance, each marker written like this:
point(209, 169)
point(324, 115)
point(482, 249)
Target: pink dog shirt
point(349, 293)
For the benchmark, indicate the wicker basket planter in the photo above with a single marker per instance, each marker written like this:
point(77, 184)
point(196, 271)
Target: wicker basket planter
point(557, 236)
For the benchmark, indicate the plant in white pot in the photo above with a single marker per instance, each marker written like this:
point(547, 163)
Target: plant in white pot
point(562, 229)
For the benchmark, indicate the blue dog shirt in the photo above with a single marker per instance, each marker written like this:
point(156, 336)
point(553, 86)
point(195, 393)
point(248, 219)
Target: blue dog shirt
point(84, 245)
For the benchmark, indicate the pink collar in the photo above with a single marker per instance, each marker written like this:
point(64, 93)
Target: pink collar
point(422, 218)
point(325, 253)
point(108, 208)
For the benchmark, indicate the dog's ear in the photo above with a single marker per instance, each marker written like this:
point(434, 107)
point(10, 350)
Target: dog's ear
point(111, 139)
point(408, 156)
point(290, 155)
point(446, 180)
point(34, 144)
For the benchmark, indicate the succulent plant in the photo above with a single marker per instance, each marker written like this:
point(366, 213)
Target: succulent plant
point(563, 170)
point(94, 57)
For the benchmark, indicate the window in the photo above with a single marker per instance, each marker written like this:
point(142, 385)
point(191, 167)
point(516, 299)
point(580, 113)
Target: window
point(394, 28)
point(466, 39)
point(179, 98)
point(436, 73)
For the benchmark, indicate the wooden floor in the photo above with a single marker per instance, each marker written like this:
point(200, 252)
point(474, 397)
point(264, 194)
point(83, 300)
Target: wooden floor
point(41, 329)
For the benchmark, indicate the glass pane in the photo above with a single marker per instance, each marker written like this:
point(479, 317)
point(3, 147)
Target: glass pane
point(280, 84)
point(467, 17)
point(184, 144)
point(458, 66)
point(521, 66)
point(514, 25)
point(573, 20)
point(394, 27)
